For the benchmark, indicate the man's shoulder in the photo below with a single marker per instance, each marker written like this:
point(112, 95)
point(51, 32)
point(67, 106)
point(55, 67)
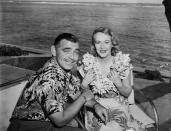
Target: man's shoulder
point(48, 69)
point(50, 65)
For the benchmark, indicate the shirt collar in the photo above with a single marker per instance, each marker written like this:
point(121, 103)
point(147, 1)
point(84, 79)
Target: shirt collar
point(54, 61)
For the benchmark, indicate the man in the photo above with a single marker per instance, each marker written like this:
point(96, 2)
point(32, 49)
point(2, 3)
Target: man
point(53, 97)
point(167, 5)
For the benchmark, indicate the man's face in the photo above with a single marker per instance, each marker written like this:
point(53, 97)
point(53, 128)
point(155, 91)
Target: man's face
point(67, 54)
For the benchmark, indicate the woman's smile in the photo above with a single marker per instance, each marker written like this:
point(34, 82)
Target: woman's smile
point(103, 51)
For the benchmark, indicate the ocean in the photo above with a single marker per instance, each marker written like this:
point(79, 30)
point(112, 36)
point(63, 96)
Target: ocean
point(142, 30)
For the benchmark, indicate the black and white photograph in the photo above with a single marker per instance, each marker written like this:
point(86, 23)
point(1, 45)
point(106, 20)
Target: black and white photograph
point(85, 65)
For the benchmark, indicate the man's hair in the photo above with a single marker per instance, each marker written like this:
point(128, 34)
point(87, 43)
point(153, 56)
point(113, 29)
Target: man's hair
point(66, 36)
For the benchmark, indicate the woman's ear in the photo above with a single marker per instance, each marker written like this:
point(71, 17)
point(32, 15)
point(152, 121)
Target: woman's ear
point(53, 50)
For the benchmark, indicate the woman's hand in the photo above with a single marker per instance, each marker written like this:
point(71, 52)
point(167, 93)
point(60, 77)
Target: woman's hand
point(123, 86)
point(88, 78)
point(114, 77)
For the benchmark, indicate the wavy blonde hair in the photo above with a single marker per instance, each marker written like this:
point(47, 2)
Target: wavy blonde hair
point(114, 40)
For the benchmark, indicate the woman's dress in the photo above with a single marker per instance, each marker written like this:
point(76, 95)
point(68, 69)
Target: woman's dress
point(107, 95)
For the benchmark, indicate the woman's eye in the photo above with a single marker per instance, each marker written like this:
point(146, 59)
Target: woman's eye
point(98, 42)
point(106, 42)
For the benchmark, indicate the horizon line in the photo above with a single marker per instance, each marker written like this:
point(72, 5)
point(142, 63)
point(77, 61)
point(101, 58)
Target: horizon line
point(78, 2)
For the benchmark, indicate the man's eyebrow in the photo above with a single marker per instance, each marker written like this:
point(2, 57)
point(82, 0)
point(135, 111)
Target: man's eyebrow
point(68, 48)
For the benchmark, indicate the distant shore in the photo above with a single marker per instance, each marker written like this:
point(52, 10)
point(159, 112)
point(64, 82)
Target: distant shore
point(83, 3)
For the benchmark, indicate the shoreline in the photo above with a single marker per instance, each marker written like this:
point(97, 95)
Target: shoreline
point(84, 3)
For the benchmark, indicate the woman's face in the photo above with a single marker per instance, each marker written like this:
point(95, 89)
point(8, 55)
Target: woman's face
point(102, 44)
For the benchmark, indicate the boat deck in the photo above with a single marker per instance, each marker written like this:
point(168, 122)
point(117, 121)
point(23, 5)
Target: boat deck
point(158, 91)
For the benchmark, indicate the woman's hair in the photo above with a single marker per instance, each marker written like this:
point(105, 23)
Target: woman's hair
point(109, 32)
point(66, 36)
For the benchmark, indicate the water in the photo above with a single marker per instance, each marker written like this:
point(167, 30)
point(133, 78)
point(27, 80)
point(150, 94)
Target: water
point(142, 29)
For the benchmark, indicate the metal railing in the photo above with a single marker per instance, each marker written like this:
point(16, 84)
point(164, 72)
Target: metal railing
point(156, 117)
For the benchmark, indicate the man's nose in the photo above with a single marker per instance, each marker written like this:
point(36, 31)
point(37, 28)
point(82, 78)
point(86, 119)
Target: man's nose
point(73, 57)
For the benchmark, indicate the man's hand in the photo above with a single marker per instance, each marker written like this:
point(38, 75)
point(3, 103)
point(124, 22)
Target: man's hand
point(87, 95)
point(101, 112)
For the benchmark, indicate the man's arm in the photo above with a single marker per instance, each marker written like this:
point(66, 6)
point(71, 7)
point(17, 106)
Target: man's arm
point(99, 109)
point(62, 118)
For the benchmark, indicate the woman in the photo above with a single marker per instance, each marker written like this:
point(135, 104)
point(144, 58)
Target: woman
point(112, 84)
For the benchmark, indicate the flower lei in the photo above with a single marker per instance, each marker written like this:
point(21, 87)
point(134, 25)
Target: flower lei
point(101, 84)
point(122, 64)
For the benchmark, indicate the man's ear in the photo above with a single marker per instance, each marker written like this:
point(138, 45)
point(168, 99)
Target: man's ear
point(53, 50)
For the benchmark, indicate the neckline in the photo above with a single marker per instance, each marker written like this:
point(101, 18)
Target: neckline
point(108, 63)
point(68, 74)
point(105, 61)
point(107, 67)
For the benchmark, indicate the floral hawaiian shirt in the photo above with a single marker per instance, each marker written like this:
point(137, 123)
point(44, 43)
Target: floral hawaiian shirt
point(47, 91)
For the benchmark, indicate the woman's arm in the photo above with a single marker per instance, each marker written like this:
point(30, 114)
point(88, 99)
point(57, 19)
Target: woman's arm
point(124, 86)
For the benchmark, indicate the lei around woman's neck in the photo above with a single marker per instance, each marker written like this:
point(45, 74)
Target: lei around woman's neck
point(121, 62)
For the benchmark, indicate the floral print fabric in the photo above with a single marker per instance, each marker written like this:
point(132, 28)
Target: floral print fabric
point(47, 92)
point(107, 95)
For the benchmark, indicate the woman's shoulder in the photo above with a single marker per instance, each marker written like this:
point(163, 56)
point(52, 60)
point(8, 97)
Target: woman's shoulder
point(121, 56)
point(122, 53)
point(122, 61)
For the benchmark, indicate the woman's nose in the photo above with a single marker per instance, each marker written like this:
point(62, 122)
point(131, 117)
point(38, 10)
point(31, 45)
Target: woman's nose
point(101, 45)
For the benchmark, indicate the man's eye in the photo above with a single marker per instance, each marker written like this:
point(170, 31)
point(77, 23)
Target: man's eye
point(66, 50)
point(78, 52)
